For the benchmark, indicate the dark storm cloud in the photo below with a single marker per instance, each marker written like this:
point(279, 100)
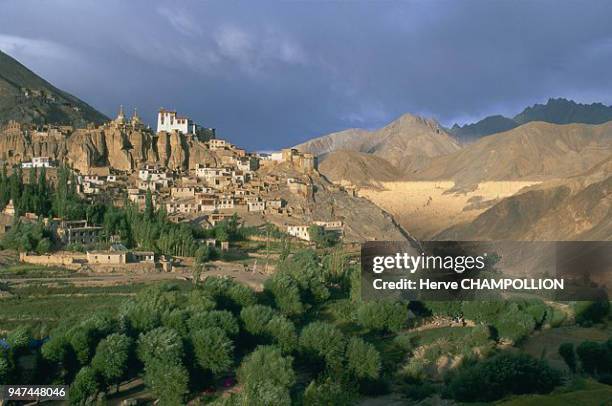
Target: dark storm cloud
point(271, 74)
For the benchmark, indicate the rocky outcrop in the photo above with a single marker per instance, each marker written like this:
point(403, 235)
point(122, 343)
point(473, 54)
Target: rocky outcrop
point(173, 150)
point(121, 146)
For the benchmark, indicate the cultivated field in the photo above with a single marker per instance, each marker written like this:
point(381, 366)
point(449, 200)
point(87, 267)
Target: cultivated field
point(428, 207)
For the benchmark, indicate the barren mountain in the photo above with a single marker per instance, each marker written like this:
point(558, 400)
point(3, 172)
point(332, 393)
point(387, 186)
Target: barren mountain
point(358, 169)
point(349, 140)
point(406, 143)
point(534, 151)
point(27, 98)
point(556, 111)
point(577, 208)
point(487, 126)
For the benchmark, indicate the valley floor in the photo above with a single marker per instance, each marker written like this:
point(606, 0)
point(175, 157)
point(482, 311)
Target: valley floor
point(429, 207)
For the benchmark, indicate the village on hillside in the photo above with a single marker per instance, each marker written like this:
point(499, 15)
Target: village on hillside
point(229, 183)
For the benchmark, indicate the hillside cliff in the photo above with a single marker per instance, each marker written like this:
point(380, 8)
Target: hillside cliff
point(118, 145)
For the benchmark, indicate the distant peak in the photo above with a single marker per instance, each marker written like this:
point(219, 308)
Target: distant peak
point(412, 119)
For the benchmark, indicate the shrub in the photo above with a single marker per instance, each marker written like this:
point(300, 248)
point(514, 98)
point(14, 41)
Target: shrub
point(502, 375)
point(384, 315)
point(363, 359)
point(595, 358)
point(328, 393)
point(44, 246)
point(566, 351)
point(514, 324)
point(588, 313)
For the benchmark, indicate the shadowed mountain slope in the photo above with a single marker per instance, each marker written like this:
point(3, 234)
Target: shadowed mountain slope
point(556, 111)
point(27, 98)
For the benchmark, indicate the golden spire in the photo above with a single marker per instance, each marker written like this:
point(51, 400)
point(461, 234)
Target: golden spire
point(135, 117)
point(121, 115)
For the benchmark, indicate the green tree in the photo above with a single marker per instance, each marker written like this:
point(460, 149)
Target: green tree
point(112, 356)
point(43, 192)
point(5, 189)
point(82, 341)
point(169, 382)
point(144, 313)
point(57, 351)
point(215, 318)
point(323, 341)
point(256, 318)
point(161, 344)
point(321, 237)
point(282, 330)
point(60, 199)
point(5, 369)
point(267, 363)
point(265, 393)
point(85, 387)
point(149, 210)
point(199, 301)
point(363, 359)
point(383, 315)
point(263, 321)
point(19, 339)
point(213, 349)
point(16, 189)
point(286, 294)
point(176, 320)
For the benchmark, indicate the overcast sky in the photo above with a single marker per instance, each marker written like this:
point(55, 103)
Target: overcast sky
point(272, 74)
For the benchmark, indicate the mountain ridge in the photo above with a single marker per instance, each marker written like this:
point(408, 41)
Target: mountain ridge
point(555, 111)
point(533, 151)
point(405, 144)
point(25, 97)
